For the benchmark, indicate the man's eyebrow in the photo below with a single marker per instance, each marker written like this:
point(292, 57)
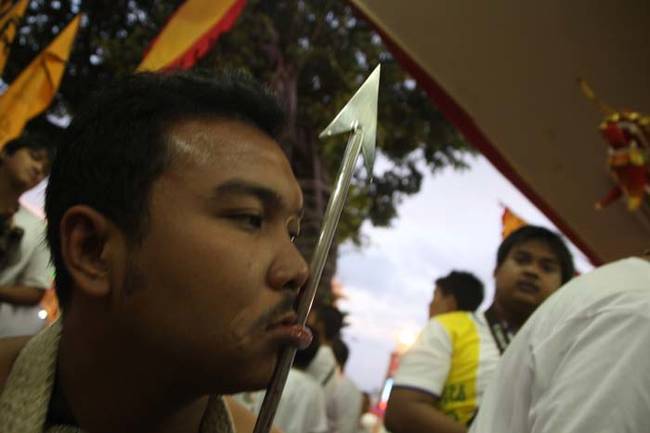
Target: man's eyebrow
point(266, 195)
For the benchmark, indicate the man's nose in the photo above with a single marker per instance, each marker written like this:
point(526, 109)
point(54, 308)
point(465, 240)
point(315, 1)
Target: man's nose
point(532, 269)
point(289, 270)
point(40, 169)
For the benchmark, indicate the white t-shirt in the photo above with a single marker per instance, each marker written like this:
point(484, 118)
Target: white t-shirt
point(324, 370)
point(29, 266)
point(453, 359)
point(581, 363)
point(301, 408)
point(348, 400)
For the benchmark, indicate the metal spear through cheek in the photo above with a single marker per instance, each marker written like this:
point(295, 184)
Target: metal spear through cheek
point(360, 117)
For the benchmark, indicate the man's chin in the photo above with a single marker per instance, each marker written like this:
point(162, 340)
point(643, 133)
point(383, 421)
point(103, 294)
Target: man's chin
point(526, 306)
point(256, 376)
point(248, 384)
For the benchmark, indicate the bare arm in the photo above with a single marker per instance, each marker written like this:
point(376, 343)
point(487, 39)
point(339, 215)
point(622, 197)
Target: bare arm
point(411, 411)
point(21, 295)
point(243, 418)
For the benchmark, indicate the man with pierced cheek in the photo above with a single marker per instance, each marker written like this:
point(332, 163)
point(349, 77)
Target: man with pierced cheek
point(172, 213)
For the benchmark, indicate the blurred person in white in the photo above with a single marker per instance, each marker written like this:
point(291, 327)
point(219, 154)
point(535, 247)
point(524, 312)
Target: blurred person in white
point(25, 272)
point(580, 364)
point(347, 396)
point(328, 321)
point(302, 405)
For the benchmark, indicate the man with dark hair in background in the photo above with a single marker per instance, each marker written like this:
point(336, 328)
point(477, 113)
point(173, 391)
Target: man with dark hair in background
point(441, 379)
point(25, 273)
point(172, 212)
point(347, 396)
point(457, 291)
point(580, 364)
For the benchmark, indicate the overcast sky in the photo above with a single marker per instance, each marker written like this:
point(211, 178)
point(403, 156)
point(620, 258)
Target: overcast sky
point(454, 222)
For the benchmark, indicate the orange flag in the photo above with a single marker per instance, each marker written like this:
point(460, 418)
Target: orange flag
point(190, 32)
point(10, 16)
point(32, 92)
point(510, 222)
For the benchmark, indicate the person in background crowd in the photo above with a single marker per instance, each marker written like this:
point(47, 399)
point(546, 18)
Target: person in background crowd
point(580, 364)
point(441, 380)
point(457, 291)
point(25, 272)
point(347, 396)
point(328, 321)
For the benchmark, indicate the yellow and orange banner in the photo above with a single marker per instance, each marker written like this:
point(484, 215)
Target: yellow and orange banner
point(10, 16)
point(33, 90)
point(190, 32)
point(510, 222)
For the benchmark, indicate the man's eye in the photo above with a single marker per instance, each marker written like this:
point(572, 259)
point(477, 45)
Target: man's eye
point(522, 259)
point(549, 268)
point(251, 221)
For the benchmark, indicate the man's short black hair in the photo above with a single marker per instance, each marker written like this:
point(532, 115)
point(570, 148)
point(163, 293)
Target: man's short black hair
point(117, 146)
point(464, 287)
point(551, 239)
point(305, 356)
point(32, 141)
point(332, 319)
point(341, 352)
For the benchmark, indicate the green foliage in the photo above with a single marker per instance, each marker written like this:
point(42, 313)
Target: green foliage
point(314, 54)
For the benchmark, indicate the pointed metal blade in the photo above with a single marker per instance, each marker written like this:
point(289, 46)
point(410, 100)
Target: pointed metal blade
point(360, 113)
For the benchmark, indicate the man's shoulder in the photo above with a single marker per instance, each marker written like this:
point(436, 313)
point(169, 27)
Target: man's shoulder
point(453, 316)
point(453, 321)
point(303, 380)
point(624, 284)
point(9, 350)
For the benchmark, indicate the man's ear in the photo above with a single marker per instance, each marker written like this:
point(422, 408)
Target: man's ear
point(92, 247)
point(452, 302)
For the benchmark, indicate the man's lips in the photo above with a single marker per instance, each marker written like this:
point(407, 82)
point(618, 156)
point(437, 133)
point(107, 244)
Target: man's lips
point(528, 287)
point(289, 332)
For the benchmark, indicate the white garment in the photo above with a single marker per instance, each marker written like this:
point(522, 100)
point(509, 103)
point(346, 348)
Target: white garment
point(581, 363)
point(301, 408)
point(348, 400)
point(324, 369)
point(29, 266)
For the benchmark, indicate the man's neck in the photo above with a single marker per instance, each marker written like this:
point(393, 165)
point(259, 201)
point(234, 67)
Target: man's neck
point(118, 388)
point(512, 322)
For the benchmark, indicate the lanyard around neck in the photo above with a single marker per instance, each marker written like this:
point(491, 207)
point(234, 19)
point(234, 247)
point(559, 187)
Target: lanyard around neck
point(499, 331)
